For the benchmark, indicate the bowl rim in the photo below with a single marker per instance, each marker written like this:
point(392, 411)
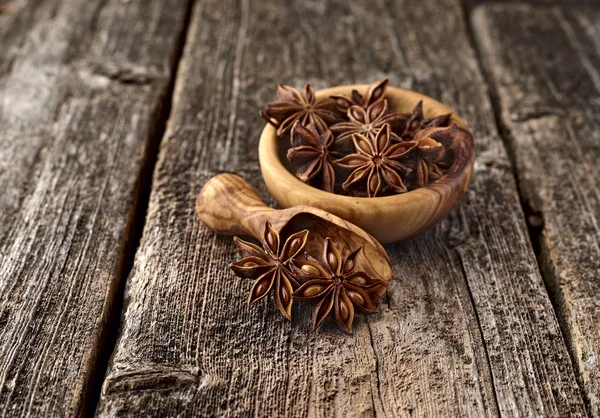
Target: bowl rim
point(269, 155)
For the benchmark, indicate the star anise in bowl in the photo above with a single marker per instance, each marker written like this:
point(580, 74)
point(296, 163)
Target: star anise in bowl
point(303, 107)
point(334, 144)
point(367, 121)
point(369, 181)
point(415, 122)
point(376, 163)
point(432, 147)
point(312, 155)
point(375, 93)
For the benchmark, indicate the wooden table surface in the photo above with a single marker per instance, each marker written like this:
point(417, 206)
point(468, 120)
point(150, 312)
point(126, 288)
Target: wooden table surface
point(116, 301)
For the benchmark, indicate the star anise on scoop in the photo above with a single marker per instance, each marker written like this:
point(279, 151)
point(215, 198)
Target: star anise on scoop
point(293, 106)
point(335, 284)
point(376, 162)
point(269, 267)
point(375, 93)
point(416, 122)
point(311, 156)
point(428, 156)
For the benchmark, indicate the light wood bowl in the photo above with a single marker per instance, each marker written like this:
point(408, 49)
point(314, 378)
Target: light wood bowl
point(389, 218)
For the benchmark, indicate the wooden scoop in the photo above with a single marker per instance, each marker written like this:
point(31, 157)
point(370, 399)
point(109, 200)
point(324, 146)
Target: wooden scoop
point(229, 205)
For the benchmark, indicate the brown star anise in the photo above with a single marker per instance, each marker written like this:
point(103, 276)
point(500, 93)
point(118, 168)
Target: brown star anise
point(377, 162)
point(334, 284)
point(367, 122)
point(311, 155)
point(269, 266)
point(416, 122)
point(293, 106)
point(375, 93)
point(430, 149)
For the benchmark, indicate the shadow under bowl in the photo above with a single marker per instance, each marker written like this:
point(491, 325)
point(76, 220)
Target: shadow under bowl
point(388, 218)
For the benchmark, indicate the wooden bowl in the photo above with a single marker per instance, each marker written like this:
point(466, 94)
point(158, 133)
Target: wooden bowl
point(388, 218)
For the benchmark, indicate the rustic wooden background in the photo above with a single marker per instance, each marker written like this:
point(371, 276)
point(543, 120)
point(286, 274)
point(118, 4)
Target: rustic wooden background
point(116, 301)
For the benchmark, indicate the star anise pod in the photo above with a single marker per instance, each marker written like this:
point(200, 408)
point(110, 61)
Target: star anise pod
point(335, 284)
point(293, 106)
point(416, 122)
point(311, 156)
point(377, 162)
point(375, 93)
point(269, 267)
point(367, 122)
point(428, 156)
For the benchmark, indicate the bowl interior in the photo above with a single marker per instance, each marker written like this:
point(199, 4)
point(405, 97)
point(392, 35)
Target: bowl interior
point(399, 100)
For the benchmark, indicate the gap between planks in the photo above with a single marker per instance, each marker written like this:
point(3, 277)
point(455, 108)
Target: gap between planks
point(534, 220)
point(535, 223)
point(135, 229)
point(470, 5)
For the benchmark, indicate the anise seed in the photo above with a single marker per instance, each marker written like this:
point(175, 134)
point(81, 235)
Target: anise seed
point(313, 290)
point(285, 296)
point(356, 297)
point(271, 241)
point(311, 270)
point(344, 311)
point(295, 245)
point(332, 260)
point(261, 288)
point(358, 280)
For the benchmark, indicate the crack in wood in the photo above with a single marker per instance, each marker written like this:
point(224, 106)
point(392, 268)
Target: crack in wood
point(159, 378)
point(480, 329)
point(136, 226)
point(377, 379)
point(531, 201)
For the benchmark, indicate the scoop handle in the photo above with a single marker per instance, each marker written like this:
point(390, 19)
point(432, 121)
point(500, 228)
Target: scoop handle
point(229, 205)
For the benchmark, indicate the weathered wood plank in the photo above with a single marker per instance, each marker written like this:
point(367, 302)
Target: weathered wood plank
point(81, 86)
point(545, 69)
point(569, 3)
point(191, 346)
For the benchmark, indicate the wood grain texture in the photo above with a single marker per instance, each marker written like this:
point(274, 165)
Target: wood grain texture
point(466, 328)
point(567, 3)
point(80, 90)
point(545, 68)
